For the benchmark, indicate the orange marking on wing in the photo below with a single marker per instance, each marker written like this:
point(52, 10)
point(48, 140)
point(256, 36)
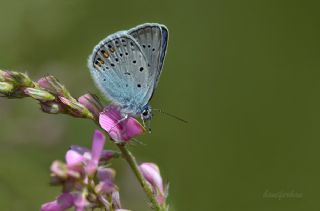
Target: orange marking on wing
point(105, 55)
point(100, 61)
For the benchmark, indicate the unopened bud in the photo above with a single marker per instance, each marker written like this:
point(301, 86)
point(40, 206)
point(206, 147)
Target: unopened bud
point(92, 103)
point(6, 88)
point(151, 173)
point(76, 109)
point(39, 94)
point(16, 78)
point(2, 73)
point(51, 107)
point(51, 84)
point(59, 169)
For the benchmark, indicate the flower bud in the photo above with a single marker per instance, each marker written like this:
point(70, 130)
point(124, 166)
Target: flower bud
point(116, 200)
point(51, 107)
point(92, 103)
point(76, 109)
point(6, 88)
point(39, 94)
point(16, 78)
point(151, 173)
point(59, 169)
point(2, 75)
point(51, 84)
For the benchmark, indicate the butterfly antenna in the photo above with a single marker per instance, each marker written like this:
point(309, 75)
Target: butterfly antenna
point(171, 115)
point(137, 142)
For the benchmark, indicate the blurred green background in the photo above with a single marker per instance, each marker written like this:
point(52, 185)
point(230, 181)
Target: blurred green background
point(244, 73)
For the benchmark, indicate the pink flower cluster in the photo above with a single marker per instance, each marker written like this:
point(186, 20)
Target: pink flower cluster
point(86, 183)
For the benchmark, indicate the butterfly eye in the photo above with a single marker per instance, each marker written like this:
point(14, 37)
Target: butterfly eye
point(145, 113)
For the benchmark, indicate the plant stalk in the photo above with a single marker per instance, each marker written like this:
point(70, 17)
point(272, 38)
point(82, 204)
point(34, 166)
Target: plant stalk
point(135, 168)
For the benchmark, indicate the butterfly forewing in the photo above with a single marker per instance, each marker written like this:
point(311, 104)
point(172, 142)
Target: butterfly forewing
point(120, 69)
point(153, 40)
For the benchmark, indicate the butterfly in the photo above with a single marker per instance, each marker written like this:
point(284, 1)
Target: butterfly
point(126, 67)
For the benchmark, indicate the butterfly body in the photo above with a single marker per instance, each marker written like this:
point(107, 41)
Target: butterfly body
point(126, 67)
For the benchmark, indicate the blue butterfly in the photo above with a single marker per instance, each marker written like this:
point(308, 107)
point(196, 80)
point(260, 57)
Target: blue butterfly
point(126, 67)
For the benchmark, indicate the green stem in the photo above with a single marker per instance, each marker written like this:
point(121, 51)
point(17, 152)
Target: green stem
point(135, 168)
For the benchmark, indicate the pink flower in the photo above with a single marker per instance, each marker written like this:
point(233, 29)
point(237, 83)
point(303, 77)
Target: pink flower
point(63, 202)
point(119, 128)
point(78, 155)
point(85, 177)
point(151, 173)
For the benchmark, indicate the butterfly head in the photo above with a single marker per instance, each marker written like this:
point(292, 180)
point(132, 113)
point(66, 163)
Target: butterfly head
point(146, 116)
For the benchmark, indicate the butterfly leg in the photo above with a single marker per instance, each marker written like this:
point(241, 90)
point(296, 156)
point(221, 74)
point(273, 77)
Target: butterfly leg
point(119, 121)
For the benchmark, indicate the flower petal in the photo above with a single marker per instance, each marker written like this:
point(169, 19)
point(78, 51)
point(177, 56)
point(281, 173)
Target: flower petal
point(51, 206)
point(79, 149)
point(131, 128)
point(73, 158)
point(105, 187)
point(118, 128)
point(96, 151)
point(65, 200)
point(108, 154)
point(104, 174)
point(97, 145)
point(80, 202)
point(59, 169)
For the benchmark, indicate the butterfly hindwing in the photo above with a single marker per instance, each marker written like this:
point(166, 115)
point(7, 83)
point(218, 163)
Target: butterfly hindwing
point(120, 69)
point(153, 39)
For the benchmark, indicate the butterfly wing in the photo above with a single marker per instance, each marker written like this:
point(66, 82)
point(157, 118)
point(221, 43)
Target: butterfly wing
point(120, 69)
point(153, 39)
